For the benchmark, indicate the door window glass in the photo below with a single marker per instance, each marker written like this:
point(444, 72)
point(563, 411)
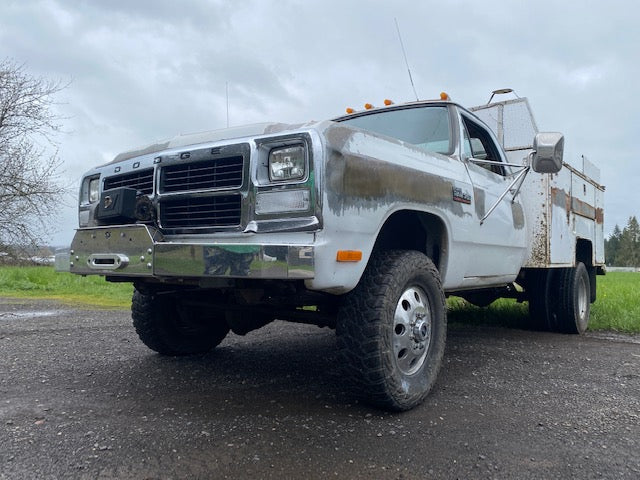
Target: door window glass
point(478, 141)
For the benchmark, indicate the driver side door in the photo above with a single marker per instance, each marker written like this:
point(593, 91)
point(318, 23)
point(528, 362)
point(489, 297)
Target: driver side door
point(499, 240)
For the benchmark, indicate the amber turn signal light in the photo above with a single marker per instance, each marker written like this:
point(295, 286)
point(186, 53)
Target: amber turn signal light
point(349, 256)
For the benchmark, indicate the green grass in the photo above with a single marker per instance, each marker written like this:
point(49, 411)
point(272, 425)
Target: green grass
point(617, 307)
point(618, 304)
point(44, 282)
point(504, 312)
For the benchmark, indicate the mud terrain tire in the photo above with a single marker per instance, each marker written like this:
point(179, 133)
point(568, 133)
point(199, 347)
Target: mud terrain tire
point(570, 312)
point(391, 330)
point(538, 294)
point(167, 326)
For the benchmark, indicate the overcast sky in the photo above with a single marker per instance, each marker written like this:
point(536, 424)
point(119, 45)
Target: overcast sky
point(144, 70)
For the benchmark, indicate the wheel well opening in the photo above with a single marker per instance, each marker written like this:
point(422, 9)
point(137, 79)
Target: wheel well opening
point(411, 230)
point(584, 252)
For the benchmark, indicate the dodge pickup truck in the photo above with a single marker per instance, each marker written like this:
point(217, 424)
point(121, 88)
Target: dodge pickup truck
point(364, 223)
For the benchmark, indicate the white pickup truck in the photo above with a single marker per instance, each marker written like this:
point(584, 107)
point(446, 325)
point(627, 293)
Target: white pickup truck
point(363, 223)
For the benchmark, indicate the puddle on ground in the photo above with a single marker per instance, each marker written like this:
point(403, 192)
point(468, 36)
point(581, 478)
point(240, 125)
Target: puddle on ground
point(28, 314)
point(614, 337)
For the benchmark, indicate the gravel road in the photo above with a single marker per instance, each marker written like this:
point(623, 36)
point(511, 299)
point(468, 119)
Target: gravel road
point(81, 397)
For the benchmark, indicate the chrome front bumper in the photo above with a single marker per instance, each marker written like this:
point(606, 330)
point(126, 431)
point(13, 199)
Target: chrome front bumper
point(140, 251)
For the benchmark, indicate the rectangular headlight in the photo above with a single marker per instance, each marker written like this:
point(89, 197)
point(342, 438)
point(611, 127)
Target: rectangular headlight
point(287, 163)
point(282, 201)
point(94, 190)
point(90, 191)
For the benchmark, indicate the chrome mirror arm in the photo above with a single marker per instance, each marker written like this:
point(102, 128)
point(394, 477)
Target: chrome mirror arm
point(493, 162)
point(519, 179)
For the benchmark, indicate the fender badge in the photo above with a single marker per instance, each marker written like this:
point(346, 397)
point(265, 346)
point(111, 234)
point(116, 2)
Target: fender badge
point(461, 196)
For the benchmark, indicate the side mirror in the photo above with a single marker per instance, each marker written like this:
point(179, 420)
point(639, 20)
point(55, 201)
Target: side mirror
point(547, 152)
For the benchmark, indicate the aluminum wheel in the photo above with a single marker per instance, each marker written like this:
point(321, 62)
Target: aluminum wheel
point(411, 330)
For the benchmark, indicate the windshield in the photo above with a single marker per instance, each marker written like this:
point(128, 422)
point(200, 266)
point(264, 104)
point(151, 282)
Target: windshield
point(426, 127)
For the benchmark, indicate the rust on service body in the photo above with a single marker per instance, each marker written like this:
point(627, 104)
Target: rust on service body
point(570, 204)
point(539, 251)
point(599, 216)
point(582, 208)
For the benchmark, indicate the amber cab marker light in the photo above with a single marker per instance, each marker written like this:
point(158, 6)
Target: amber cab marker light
point(349, 256)
point(368, 106)
point(444, 96)
point(388, 102)
point(350, 110)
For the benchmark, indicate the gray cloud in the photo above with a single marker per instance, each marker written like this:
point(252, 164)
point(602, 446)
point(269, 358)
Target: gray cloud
point(146, 70)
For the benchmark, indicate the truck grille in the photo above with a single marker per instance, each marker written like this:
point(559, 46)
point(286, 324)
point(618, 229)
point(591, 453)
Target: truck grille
point(204, 175)
point(201, 212)
point(141, 181)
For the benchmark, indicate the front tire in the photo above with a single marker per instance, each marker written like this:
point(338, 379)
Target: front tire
point(392, 330)
point(166, 325)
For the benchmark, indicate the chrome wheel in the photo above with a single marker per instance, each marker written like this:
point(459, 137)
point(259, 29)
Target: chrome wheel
point(583, 298)
point(411, 330)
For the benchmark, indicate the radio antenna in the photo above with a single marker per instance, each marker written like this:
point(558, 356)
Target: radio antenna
point(227, 91)
point(404, 53)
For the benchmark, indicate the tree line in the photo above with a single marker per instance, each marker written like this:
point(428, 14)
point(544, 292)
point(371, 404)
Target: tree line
point(622, 248)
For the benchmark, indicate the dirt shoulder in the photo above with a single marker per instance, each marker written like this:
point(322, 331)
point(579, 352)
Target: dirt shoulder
point(81, 397)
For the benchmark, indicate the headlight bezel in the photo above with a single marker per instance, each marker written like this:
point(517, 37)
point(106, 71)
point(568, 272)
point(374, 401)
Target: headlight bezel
point(268, 146)
point(294, 192)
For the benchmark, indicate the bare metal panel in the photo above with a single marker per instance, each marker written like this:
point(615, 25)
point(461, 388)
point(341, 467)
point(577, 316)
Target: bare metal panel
point(127, 251)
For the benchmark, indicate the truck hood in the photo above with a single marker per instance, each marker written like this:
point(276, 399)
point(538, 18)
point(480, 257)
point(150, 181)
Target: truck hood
point(208, 137)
